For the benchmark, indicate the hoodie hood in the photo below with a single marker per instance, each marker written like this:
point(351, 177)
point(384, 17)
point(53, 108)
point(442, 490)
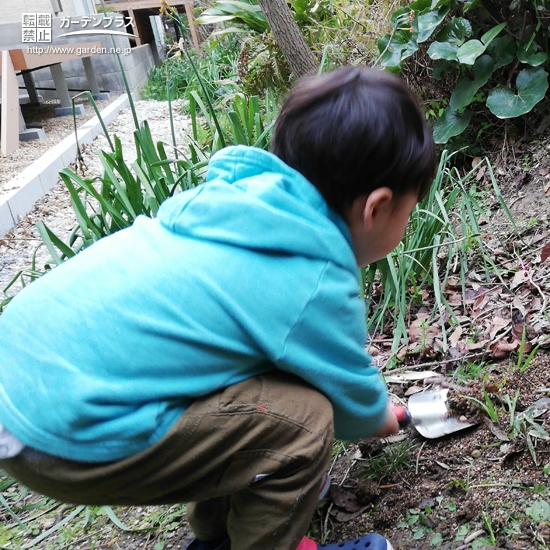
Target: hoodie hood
point(254, 200)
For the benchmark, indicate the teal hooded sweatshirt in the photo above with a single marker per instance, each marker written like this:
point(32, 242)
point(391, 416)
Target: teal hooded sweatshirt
point(244, 274)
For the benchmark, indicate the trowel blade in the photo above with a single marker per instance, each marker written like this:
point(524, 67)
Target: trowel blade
point(430, 414)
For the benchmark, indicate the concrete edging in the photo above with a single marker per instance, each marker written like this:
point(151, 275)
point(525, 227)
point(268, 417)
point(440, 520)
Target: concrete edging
point(36, 180)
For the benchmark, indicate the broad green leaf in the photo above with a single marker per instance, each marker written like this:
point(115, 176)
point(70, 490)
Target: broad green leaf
point(491, 34)
point(502, 50)
point(455, 32)
point(212, 19)
point(401, 17)
point(436, 4)
point(442, 50)
point(401, 47)
point(428, 22)
point(528, 53)
point(229, 30)
point(436, 540)
point(421, 5)
point(471, 5)
point(467, 88)
point(531, 84)
point(450, 124)
point(470, 51)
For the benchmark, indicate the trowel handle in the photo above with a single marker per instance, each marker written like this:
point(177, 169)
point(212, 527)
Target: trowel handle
point(402, 414)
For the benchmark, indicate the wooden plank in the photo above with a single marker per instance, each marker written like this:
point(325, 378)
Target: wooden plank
point(9, 133)
point(141, 4)
point(135, 26)
point(189, 4)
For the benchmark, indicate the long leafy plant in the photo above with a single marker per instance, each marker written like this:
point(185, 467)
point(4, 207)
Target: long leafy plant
point(443, 238)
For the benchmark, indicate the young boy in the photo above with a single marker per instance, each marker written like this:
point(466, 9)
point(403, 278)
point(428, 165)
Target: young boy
point(207, 356)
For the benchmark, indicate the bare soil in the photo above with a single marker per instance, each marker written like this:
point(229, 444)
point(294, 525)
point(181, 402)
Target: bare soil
point(451, 492)
point(485, 487)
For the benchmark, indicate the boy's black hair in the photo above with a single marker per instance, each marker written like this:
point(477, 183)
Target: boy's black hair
point(354, 130)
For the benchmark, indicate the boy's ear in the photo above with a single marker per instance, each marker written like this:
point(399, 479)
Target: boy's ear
point(376, 205)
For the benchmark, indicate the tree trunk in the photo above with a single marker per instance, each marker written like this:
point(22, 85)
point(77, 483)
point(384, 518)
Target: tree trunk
point(288, 37)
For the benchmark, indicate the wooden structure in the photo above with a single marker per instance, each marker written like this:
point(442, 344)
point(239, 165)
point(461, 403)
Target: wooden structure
point(141, 10)
point(22, 60)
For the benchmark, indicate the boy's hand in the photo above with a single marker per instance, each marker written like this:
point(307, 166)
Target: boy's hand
point(391, 424)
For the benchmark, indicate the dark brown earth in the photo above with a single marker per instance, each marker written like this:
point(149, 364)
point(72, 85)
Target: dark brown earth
point(456, 488)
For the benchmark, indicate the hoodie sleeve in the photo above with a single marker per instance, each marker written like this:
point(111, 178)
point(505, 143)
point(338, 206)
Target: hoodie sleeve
point(326, 347)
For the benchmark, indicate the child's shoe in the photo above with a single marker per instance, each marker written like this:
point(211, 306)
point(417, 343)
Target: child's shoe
point(372, 542)
point(197, 544)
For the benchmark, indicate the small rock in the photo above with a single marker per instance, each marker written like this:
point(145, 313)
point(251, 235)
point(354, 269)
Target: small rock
point(476, 453)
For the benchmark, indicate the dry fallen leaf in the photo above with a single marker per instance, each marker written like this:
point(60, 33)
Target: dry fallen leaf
point(497, 324)
point(518, 304)
point(519, 278)
point(481, 172)
point(476, 161)
point(455, 336)
point(501, 349)
point(545, 253)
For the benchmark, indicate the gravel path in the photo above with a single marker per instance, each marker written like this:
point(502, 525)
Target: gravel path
point(19, 246)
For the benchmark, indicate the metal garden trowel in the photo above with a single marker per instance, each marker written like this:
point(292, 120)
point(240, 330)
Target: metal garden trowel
point(430, 414)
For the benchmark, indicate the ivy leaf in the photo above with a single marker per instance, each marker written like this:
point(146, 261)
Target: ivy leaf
point(531, 83)
point(527, 53)
point(470, 51)
point(450, 124)
point(466, 89)
point(502, 50)
point(428, 22)
point(455, 32)
point(442, 50)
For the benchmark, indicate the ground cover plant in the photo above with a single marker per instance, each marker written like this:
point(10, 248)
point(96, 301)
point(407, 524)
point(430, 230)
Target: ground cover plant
point(461, 304)
point(492, 54)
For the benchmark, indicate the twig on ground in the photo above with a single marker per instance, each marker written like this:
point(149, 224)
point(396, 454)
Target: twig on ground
point(418, 456)
point(444, 383)
point(474, 535)
point(478, 355)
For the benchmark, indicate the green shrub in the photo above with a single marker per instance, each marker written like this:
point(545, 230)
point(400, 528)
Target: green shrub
point(479, 51)
point(217, 66)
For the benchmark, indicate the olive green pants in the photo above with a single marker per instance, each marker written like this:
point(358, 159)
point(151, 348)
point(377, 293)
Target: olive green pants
point(249, 460)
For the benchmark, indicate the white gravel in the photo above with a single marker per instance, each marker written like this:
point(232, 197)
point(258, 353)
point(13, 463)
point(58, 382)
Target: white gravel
point(18, 248)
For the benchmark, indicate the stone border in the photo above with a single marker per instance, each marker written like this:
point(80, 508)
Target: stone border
point(36, 180)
